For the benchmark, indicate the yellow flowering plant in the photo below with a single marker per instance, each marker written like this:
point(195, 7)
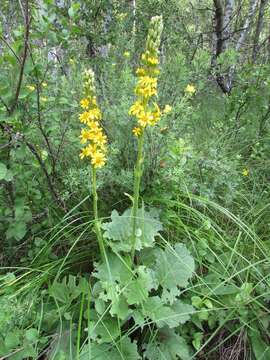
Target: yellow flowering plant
point(123, 288)
point(145, 108)
point(94, 142)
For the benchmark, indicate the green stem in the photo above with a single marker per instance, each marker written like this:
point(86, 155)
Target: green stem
point(97, 223)
point(136, 192)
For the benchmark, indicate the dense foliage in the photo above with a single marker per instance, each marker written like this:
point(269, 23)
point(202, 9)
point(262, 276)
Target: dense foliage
point(154, 245)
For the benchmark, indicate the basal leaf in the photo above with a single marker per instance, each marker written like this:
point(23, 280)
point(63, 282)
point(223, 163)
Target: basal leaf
point(3, 171)
point(163, 315)
point(103, 328)
point(116, 269)
point(137, 291)
point(173, 267)
point(124, 349)
point(169, 346)
point(120, 308)
point(119, 230)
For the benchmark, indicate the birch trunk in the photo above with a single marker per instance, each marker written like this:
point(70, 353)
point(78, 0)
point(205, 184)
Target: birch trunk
point(242, 38)
point(259, 26)
point(228, 14)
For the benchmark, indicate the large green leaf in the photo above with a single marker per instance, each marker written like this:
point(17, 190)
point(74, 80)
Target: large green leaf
point(173, 267)
point(16, 230)
point(114, 269)
point(125, 349)
point(168, 345)
point(119, 230)
point(163, 315)
point(3, 171)
point(103, 328)
point(260, 349)
point(144, 281)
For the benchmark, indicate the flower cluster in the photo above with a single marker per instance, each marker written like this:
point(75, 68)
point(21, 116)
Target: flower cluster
point(92, 135)
point(145, 109)
point(190, 89)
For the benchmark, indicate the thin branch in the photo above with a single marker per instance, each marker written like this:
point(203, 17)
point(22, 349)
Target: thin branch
point(10, 48)
point(26, 38)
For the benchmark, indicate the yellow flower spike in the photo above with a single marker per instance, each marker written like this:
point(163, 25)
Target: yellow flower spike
point(137, 131)
point(85, 103)
point(190, 89)
point(126, 54)
point(245, 172)
point(167, 109)
point(44, 84)
point(95, 148)
point(92, 135)
point(144, 108)
point(44, 99)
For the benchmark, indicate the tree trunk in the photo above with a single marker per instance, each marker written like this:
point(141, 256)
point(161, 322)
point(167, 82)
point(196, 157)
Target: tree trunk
point(228, 14)
point(259, 26)
point(241, 40)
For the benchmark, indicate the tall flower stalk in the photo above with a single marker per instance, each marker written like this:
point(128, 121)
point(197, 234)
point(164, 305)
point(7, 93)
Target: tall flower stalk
point(145, 108)
point(94, 141)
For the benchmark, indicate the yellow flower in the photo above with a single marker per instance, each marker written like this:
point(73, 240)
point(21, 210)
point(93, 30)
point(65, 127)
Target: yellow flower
point(44, 84)
point(137, 131)
point(85, 135)
point(140, 72)
point(71, 61)
point(146, 118)
point(190, 89)
point(127, 54)
point(245, 172)
point(84, 103)
point(100, 139)
point(84, 117)
point(136, 109)
point(167, 109)
point(84, 153)
point(94, 126)
point(146, 91)
point(121, 16)
point(44, 99)
point(94, 114)
point(146, 81)
point(91, 149)
point(152, 60)
point(30, 87)
point(98, 159)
